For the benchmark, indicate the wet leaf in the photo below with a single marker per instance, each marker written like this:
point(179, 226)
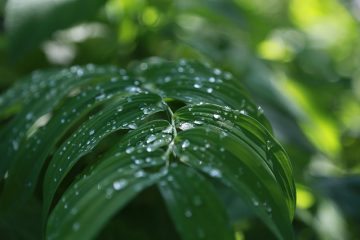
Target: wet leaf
point(101, 135)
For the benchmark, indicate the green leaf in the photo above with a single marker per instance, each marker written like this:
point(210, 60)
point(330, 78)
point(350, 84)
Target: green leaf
point(192, 201)
point(40, 18)
point(245, 129)
point(39, 95)
point(81, 102)
point(107, 188)
point(104, 134)
point(124, 114)
point(241, 161)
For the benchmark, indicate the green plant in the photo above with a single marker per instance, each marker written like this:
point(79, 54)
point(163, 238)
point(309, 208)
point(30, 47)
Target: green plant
point(84, 141)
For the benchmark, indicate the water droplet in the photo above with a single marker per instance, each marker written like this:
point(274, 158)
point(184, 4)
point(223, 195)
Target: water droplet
point(120, 184)
point(150, 148)
point(76, 226)
point(168, 129)
point(129, 150)
point(228, 75)
point(255, 202)
point(212, 79)
point(185, 126)
point(188, 213)
point(243, 112)
point(209, 90)
point(146, 111)
point(185, 144)
point(140, 174)
point(184, 158)
point(143, 66)
point(217, 71)
point(91, 132)
point(269, 209)
point(196, 85)
point(269, 144)
point(197, 122)
point(215, 173)
point(151, 138)
point(100, 97)
point(29, 116)
point(15, 145)
point(216, 116)
point(132, 126)
point(260, 111)
point(138, 161)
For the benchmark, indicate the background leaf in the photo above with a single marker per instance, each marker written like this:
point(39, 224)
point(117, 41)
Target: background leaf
point(39, 19)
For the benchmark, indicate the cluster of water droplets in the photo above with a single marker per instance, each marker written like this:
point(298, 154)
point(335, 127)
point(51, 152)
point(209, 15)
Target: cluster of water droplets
point(41, 93)
point(87, 137)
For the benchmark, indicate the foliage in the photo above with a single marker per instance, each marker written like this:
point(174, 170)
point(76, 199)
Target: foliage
point(157, 124)
point(293, 56)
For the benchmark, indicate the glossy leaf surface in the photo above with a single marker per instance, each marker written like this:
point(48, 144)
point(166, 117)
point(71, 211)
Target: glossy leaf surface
point(103, 135)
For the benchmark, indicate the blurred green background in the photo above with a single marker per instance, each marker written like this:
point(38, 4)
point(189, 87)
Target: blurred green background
point(298, 58)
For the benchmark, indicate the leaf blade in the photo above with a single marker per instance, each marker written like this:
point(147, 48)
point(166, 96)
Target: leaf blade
point(192, 201)
point(40, 18)
point(238, 164)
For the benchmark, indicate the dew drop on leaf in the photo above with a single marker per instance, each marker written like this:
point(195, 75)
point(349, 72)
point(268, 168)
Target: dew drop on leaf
point(29, 116)
point(217, 71)
point(184, 158)
point(76, 226)
point(140, 174)
point(255, 202)
point(196, 85)
point(243, 112)
point(132, 126)
point(215, 173)
point(260, 111)
point(120, 184)
point(151, 138)
point(185, 144)
point(185, 126)
point(168, 129)
point(129, 150)
point(188, 213)
point(138, 161)
point(197, 122)
point(15, 145)
point(216, 116)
